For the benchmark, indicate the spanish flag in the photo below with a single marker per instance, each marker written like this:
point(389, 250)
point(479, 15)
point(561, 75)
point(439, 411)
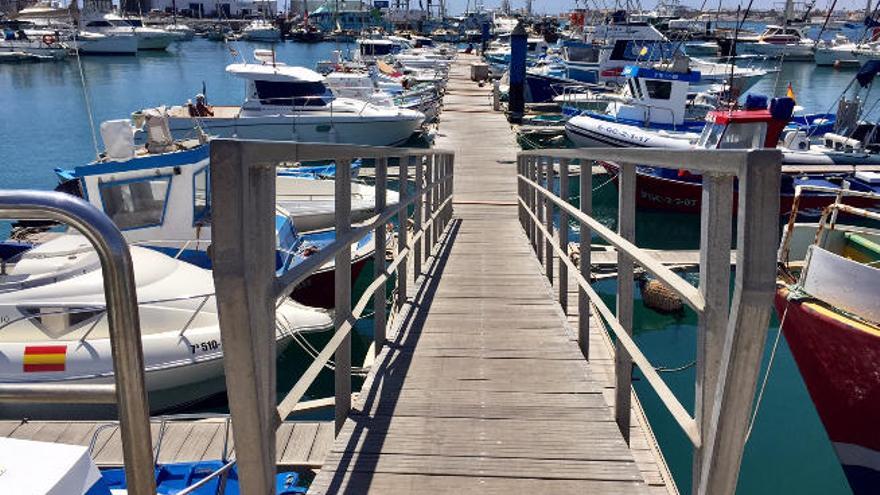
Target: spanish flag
point(790, 93)
point(41, 358)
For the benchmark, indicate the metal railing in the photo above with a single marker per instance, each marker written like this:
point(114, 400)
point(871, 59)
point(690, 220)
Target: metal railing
point(129, 392)
point(243, 195)
point(730, 340)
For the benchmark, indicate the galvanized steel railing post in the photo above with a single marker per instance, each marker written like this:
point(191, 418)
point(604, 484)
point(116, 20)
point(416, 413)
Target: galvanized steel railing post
point(243, 265)
point(122, 314)
point(563, 234)
point(539, 208)
point(585, 262)
point(438, 193)
point(715, 238)
point(403, 229)
point(380, 235)
point(342, 357)
point(417, 214)
point(519, 190)
point(626, 228)
point(429, 203)
point(757, 231)
point(548, 218)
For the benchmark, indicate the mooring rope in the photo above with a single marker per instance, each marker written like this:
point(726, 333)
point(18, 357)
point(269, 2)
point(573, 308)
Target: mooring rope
point(767, 373)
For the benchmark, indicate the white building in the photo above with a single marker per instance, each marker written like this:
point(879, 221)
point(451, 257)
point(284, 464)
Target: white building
point(219, 8)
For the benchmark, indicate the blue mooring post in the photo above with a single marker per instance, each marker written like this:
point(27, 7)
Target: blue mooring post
point(516, 97)
point(485, 36)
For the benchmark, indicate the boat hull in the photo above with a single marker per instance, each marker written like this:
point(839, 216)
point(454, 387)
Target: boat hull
point(837, 357)
point(588, 132)
point(685, 196)
point(108, 45)
point(306, 129)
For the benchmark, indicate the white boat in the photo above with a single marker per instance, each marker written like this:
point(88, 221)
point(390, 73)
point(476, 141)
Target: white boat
point(261, 30)
point(181, 32)
point(702, 48)
point(312, 203)
point(55, 327)
point(867, 52)
point(836, 52)
point(652, 110)
point(44, 47)
point(94, 43)
point(386, 92)
point(789, 42)
point(285, 103)
point(113, 25)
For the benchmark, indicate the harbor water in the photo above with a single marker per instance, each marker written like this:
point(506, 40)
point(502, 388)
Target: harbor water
point(45, 123)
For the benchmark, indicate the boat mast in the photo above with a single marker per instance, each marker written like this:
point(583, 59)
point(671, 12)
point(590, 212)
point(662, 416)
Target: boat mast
point(789, 9)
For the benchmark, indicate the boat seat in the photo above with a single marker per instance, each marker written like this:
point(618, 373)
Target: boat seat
point(861, 247)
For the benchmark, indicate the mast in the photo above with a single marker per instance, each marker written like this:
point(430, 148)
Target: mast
point(789, 9)
point(868, 9)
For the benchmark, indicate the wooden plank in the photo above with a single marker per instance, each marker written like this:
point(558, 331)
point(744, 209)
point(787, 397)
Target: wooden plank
point(302, 436)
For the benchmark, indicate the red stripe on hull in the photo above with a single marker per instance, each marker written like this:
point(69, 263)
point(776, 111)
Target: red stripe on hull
point(657, 193)
point(39, 368)
point(840, 365)
point(45, 349)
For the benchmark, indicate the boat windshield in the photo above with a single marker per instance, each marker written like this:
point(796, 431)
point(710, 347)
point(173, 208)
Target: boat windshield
point(300, 93)
point(736, 135)
point(376, 49)
point(135, 22)
point(137, 203)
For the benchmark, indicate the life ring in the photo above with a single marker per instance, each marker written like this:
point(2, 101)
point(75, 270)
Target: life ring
point(49, 39)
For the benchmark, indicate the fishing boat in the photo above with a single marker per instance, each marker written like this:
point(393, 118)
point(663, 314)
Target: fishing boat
point(759, 125)
point(653, 110)
point(286, 103)
point(158, 196)
point(31, 466)
point(55, 327)
point(827, 289)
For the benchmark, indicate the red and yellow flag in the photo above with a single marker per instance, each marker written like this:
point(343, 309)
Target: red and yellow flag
point(41, 358)
point(790, 92)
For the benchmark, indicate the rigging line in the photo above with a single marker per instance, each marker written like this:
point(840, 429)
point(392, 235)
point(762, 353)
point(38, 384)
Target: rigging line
point(82, 78)
point(767, 373)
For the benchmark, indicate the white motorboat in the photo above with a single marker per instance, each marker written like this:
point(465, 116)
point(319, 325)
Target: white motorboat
point(789, 42)
point(312, 205)
point(94, 43)
point(386, 92)
point(261, 30)
point(285, 103)
point(836, 52)
point(867, 52)
point(113, 25)
point(181, 32)
point(55, 328)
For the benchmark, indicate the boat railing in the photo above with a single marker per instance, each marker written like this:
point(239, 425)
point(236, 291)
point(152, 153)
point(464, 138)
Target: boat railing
point(830, 213)
point(243, 195)
point(731, 331)
point(128, 391)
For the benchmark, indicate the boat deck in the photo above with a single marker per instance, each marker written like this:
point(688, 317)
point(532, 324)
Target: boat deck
point(483, 389)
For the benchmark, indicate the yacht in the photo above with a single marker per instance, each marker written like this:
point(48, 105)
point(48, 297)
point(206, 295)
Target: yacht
point(261, 30)
point(287, 103)
point(836, 52)
point(788, 41)
point(55, 328)
point(181, 32)
point(113, 25)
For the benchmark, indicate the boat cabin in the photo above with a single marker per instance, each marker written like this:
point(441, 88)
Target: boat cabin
point(652, 96)
point(781, 35)
point(281, 85)
point(757, 125)
point(369, 48)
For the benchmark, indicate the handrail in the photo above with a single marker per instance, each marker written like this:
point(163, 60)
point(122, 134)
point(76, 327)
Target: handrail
point(243, 192)
point(729, 344)
point(125, 333)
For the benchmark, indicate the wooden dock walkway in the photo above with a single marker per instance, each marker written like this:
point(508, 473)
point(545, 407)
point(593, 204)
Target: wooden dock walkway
point(483, 389)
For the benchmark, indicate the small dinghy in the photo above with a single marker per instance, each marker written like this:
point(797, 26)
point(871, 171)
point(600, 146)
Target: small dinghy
point(54, 325)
